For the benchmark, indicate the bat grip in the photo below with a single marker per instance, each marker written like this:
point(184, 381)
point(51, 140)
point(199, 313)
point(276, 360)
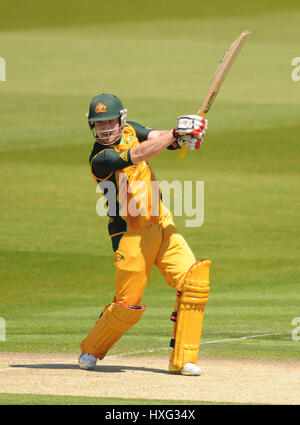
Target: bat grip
point(183, 151)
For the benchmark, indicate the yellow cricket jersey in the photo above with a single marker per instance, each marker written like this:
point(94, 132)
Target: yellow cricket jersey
point(132, 192)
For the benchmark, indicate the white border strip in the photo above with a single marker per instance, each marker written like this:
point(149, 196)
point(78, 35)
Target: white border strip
point(159, 349)
point(204, 342)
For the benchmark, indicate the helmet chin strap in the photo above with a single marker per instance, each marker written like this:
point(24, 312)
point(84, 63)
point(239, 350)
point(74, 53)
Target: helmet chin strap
point(102, 140)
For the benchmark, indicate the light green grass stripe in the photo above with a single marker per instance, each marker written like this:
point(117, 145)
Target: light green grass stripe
point(202, 343)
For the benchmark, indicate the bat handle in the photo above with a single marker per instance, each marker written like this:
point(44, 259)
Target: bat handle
point(184, 149)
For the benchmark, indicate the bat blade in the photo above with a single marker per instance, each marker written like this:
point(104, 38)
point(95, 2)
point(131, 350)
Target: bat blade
point(219, 77)
point(222, 71)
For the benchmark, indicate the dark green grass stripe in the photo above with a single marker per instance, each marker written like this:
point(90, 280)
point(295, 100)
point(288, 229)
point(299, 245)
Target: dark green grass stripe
point(32, 14)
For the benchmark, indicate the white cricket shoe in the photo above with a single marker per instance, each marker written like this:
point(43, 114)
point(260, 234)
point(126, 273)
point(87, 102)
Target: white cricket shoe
point(188, 369)
point(191, 369)
point(87, 361)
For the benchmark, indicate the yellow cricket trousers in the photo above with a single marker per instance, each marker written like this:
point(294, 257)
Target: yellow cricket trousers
point(158, 244)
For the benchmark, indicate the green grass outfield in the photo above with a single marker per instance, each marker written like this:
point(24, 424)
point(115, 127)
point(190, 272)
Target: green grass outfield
point(56, 268)
point(34, 399)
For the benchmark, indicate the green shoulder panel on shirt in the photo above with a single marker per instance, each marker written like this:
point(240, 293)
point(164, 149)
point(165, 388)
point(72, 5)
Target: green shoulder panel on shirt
point(107, 161)
point(141, 131)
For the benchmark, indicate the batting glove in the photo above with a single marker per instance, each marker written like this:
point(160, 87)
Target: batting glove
point(192, 142)
point(193, 125)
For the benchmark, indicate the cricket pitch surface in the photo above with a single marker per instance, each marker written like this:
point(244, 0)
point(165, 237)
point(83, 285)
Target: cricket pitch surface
point(228, 381)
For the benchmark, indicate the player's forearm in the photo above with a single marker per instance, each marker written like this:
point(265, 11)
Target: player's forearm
point(151, 147)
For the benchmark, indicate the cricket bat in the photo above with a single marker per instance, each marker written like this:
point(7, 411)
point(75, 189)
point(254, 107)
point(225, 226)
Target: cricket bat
point(218, 78)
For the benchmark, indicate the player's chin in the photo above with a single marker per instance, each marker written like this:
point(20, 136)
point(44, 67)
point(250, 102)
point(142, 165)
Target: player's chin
point(109, 141)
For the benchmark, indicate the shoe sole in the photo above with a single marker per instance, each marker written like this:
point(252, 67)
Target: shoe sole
point(85, 367)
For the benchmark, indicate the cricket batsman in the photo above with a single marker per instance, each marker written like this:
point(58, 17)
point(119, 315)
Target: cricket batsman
point(143, 233)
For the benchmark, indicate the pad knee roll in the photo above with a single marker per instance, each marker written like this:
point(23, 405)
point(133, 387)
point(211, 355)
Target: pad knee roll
point(189, 317)
point(196, 283)
point(115, 320)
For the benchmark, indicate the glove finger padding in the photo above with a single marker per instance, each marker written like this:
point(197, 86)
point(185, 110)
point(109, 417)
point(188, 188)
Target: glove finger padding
point(192, 142)
point(190, 124)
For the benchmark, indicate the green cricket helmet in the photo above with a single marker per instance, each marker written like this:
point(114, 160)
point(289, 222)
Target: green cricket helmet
point(106, 107)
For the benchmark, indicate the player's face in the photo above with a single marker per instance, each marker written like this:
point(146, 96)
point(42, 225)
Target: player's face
point(108, 131)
